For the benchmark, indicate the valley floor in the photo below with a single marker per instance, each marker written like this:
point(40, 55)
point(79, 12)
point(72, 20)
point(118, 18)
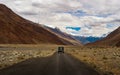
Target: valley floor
point(12, 54)
point(105, 60)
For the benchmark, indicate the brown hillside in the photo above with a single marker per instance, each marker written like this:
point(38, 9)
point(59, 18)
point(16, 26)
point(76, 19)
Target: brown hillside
point(113, 39)
point(64, 36)
point(16, 30)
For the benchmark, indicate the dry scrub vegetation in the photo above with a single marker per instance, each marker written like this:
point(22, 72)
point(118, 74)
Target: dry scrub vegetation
point(12, 54)
point(104, 60)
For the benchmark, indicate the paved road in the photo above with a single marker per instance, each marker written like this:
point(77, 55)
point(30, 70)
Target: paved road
point(57, 64)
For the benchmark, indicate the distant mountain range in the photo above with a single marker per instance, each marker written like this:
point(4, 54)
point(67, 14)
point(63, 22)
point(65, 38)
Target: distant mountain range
point(113, 39)
point(85, 40)
point(17, 30)
point(63, 35)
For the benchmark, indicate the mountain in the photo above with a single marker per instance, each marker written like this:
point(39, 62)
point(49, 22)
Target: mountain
point(17, 30)
point(65, 36)
point(85, 40)
point(113, 39)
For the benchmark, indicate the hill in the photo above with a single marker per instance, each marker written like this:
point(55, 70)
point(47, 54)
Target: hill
point(113, 39)
point(16, 30)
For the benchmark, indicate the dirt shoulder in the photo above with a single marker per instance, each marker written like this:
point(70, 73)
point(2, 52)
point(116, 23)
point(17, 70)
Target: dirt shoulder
point(104, 60)
point(10, 55)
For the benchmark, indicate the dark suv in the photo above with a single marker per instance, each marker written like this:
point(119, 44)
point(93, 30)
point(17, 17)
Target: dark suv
point(60, 49)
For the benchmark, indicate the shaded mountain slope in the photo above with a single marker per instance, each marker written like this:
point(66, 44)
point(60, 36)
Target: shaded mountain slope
point(113, 39)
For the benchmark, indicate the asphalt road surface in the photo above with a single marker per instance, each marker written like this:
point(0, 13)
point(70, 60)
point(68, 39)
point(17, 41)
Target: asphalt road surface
point(57, 64)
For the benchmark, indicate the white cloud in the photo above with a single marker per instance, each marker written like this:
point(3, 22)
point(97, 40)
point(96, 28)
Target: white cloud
point(55, 13)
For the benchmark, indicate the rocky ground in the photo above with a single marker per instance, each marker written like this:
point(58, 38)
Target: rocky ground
point(14, 54)
point(104, 60)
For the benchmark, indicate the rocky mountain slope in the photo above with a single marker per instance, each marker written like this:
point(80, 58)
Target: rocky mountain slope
point(17, 30)
point(113, 39)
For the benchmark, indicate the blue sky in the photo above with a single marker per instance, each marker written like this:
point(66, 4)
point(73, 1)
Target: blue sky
point(94, 17)
point(74, 28)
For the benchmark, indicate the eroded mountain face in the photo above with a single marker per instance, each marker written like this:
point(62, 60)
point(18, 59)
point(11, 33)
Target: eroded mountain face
point(17, 30)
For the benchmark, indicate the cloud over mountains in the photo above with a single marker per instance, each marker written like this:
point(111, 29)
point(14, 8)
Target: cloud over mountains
point(93, 16)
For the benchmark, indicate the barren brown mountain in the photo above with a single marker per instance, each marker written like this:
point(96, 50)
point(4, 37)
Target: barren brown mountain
point(65, 36)
point(17, 30)
point(113, 39)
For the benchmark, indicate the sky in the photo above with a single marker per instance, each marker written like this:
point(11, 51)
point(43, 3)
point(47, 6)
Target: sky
point(76, 17)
